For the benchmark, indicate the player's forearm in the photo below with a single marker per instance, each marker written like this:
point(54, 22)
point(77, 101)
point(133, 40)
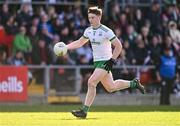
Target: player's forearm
point(117, 51)
point(74, 45)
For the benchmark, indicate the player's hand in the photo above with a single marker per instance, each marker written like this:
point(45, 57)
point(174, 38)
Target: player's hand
point(159, 79)
point(109, 64)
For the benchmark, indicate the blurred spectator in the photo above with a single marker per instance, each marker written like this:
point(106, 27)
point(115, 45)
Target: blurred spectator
point(41, 54)
point(17, 59)
point(84, 54)
point(73, 54)
point(138, 20)
point(3, 57)
point(64, 34)
point(155, 17)
point(168, 43)
point(77, 16)
point(140, 51)
point(155, 49)
point(123, 24)
point(4, 13)
point(51, 12)
point(174, 32)
point(145, 35)
point(57, 25)
point(45, 24)
point(35, 22)
point(11, 26)
point(122, 60)
point(46, 35)
point(22, 41)
point(155, 52)
point(114, 16)
point(40, 11)
point(24, 15)
point(128, 51)
point(118, 33)
point(5, 40)
point(171, 13)
point(166, 72)
point(147, 24)
point(130, 35)
point(75, 34)
point(33, 36)
point(56, 39)
point(129, 11)
point(83, 26)
point(11, 30)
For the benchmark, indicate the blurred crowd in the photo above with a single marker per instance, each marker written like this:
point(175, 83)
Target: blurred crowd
point(28, 34)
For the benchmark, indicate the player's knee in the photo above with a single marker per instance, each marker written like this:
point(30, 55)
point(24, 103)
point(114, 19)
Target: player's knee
point(91, 83)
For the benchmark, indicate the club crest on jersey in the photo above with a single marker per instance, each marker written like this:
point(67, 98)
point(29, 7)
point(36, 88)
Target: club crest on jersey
point(94, 32)
point(100, 33)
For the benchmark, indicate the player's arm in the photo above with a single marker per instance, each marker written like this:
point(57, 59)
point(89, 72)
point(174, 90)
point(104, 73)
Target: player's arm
point(117, 48)
point(78, 43)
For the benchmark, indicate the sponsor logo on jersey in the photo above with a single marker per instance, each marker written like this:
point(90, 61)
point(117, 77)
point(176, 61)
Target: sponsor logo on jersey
point(100, 33)
point(95, 43)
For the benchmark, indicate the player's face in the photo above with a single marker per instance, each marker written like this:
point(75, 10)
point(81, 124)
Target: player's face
point(94, 19)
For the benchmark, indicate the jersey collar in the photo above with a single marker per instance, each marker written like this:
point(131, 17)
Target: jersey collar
point(97, 27)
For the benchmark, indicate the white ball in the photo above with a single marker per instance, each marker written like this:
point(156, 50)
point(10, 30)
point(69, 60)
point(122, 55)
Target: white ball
point(60, 49)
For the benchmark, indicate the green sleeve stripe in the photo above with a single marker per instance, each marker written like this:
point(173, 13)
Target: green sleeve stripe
point(85, 37)
point(104, 29)
point(112, 38)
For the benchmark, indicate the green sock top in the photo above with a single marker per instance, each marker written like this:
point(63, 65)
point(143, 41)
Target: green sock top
point(133, 84)
point(85, 108)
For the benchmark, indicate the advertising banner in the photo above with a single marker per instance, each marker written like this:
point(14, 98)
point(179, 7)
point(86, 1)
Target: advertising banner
point(13, 83)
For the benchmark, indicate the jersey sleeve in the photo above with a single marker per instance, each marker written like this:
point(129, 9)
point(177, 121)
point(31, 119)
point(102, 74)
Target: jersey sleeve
point(85, 35)
point(110, 35)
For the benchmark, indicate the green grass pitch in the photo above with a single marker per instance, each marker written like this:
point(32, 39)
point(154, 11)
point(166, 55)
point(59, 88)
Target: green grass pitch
point(59, 115)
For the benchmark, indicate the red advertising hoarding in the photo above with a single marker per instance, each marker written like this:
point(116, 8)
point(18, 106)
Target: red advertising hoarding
point(13, 83)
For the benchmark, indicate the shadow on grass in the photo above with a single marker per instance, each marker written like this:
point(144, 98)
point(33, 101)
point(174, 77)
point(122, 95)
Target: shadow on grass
point(68, 108)
point(80, 119)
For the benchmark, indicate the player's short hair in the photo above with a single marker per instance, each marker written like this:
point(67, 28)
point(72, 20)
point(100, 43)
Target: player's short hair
point(95, 10)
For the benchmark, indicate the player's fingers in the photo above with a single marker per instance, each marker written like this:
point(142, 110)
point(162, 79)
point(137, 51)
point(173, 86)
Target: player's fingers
point(106, 68)
point(110, 68)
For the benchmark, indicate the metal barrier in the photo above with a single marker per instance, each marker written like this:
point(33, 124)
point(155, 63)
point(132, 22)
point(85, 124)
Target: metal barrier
point(74, 75)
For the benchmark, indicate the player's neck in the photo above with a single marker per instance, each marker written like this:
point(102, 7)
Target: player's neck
point(97, 26)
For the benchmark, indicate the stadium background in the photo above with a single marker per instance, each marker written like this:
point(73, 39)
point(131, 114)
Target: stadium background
point(30, 28)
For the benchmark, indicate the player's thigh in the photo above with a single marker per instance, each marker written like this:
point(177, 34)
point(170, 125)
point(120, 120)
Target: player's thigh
point(97, 76)
point(107, 81)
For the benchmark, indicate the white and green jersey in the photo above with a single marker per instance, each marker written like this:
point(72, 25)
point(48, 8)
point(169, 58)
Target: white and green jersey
point(100, 39)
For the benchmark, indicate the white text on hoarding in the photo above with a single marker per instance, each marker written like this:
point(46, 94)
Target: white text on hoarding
point(11, 85)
